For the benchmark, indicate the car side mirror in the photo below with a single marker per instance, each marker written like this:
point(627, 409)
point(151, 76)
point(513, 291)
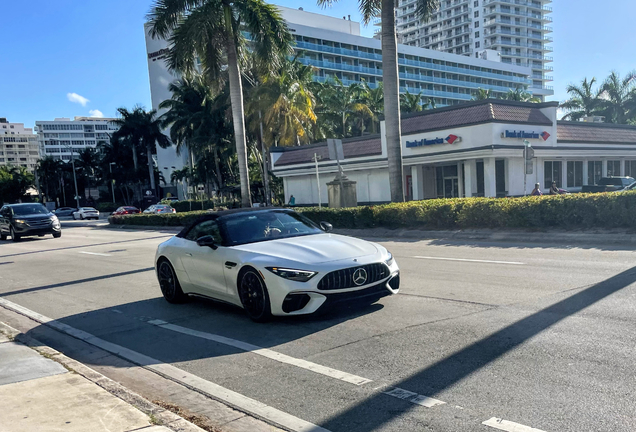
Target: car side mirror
point(326, 226)
point(208, 241)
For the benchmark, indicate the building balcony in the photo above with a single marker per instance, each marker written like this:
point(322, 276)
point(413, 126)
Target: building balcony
point(435, 93)
point(500, 11)
point(337, 50)
point(457, 24)
point(508, 53)
point(529, 35)
point(502, 42)
point(529, 4)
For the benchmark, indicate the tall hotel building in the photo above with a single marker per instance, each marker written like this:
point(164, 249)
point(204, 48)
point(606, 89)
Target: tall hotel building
point(62, 137)
point(18, 145)
point(334, 47)
point(516, 29)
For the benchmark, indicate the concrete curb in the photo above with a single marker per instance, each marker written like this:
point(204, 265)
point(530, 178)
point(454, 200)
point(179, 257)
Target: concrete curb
point(165, 417)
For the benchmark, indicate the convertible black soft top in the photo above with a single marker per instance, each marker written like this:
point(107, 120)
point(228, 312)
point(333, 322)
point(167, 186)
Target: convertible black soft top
point(226, 213)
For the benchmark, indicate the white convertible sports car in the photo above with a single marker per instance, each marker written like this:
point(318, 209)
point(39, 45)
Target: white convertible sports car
point(272, 262)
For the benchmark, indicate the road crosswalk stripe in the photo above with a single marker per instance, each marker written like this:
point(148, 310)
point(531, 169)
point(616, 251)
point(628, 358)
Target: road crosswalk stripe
point(509, 426)
point(215, 391)
point(282, 358)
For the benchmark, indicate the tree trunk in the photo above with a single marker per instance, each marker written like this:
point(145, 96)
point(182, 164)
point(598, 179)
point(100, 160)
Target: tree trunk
point(151, 171)
point(344, 125)
point(268, 200)
point(134, 151)
point(238, 117)
point(390, 79)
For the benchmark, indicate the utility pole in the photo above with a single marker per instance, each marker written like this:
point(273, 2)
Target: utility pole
point(112, 180)
point(528, 154)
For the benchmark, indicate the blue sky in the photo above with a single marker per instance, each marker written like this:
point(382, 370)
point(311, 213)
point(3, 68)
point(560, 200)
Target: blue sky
point(74, 57)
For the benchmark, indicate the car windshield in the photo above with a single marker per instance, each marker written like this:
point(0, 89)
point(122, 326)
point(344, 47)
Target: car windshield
point(29, 209)
point(261, 226)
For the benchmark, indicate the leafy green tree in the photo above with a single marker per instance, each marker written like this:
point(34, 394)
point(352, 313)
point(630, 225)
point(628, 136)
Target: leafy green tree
point(519, 95)
point(207, 34)
point(410, 102)
point(15, 181)
point(390, 77)
point(584, 100)
point(617, 100)
point(373, 98)
point(49, 172)
point(343, 103)
point(143, 130)
point(483, 94)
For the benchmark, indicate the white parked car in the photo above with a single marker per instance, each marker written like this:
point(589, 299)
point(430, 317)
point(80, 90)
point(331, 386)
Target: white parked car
point(272, 262)
point(159, 209)
point(86, 213)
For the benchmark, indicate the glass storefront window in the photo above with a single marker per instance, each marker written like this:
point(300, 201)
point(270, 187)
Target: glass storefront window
point(552, 173)
point(630, 168)
point(575, 173)
point(594, 172)
point(613, 168)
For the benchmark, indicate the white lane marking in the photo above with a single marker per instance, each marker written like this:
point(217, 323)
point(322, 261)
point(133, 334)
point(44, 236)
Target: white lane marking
point(215, 391)
point(470, 260)
point(413, 397)
point(508, 426)
point(282, 358)
point(94, 253)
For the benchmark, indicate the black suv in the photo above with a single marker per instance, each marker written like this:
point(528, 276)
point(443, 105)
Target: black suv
point(23, 220)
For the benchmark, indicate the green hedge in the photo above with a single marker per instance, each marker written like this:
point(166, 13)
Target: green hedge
point(171, 219)
point(184, 206)
point(576, 211)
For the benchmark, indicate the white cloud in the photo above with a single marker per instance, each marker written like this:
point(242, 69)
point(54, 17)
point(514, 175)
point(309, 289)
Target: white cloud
point(74, 97)
point(96, 113)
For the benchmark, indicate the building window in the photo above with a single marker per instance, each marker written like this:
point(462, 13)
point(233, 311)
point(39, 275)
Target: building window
point(476, 24)
point(630, 168)
point(613, 168)
point(476, 14)
point(552, 173)
point(477, 44)
point(476, 35)
point(575, 173)
point(594, 172)
point(476, 3)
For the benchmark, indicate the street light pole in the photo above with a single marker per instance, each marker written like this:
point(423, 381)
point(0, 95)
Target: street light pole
point(112, 180)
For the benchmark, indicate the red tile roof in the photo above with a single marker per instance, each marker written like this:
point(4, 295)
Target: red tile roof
point(595, 133)
point(352, 147)
point(464, 115)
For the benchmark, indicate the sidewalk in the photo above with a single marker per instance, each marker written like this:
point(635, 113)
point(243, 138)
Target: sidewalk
point(43, 390)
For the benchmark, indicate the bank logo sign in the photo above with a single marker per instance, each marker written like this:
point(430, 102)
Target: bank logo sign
point(525, 135)
point(451, 139)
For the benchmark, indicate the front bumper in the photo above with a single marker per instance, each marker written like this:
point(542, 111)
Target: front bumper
point(25, 231)
point(302, 302)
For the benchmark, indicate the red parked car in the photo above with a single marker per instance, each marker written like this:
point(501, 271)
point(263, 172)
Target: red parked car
point(125, 210)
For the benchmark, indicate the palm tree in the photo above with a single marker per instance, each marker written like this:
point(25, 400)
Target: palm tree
point(207, 34)
point(87, 162)
point(343, 102)
point(618, 98)
point(584, 100)
point(197, 119)
point(48, 170)
point(143, 129)
point(373, 98)
point(482, 94)
point(386, 9)
point(410, 102)
point(520, 95)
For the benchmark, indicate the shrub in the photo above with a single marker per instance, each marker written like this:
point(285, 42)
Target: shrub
point(576, 211)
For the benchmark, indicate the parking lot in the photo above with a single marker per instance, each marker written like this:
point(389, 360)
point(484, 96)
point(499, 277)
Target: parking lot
point(540, 336)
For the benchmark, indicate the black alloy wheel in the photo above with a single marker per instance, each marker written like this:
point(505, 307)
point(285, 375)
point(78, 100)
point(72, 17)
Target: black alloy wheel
point(14, 236)
point(57, 234)
point(254, 296)
point(170, 287)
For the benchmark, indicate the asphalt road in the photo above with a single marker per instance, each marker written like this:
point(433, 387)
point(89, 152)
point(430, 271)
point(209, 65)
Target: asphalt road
point(538, 335)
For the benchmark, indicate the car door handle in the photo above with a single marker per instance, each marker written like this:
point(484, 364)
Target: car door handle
point(188, 254)
point(230, 264)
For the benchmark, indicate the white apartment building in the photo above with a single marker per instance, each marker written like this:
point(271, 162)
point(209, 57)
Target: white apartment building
point(18, 145)
point(334, 47)
point(516, 29)
point(56, 138)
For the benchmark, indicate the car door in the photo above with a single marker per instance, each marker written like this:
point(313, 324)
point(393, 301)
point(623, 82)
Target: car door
point(204, 265)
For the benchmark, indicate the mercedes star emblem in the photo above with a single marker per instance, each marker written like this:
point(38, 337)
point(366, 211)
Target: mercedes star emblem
point(360, 277)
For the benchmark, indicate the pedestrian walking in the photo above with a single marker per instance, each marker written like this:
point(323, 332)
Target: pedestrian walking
point(292, 200)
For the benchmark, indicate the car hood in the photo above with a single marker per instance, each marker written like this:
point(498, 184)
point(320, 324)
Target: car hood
point(312, 249)
point(34, 216)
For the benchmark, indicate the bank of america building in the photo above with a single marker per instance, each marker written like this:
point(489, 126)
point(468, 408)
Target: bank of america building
point(334, 47)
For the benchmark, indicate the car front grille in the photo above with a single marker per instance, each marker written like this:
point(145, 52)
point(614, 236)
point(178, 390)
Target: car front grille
point(341, 279)
point(39, 223)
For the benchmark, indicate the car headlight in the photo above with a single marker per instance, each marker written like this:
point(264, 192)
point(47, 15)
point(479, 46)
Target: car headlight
point(389, 261)
point(291, 274)
point(20, 221)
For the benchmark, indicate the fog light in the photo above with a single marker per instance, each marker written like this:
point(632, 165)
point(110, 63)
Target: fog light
point(294, 302)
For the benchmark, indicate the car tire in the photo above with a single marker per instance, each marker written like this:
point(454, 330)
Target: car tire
point(57, 235)
point(169, 283)
point(81, 217)
point(254, 296)
point(14, 236)
point(74, 218)
point(3, 236)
